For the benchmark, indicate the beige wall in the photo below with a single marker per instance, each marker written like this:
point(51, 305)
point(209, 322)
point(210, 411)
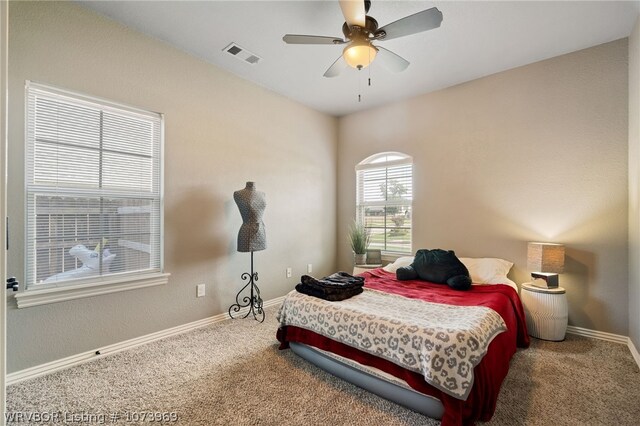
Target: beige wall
point(221, 131)
point(634, 185)
point(537, 153)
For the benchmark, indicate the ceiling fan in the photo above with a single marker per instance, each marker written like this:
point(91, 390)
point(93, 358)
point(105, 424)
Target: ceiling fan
point(360, 30)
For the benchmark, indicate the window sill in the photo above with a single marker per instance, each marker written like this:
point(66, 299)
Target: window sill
point(30, 298)
point(392, 256)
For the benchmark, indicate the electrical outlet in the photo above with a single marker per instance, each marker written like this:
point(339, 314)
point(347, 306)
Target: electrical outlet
point(309, 268)
point(200, 290)
point(289, 273)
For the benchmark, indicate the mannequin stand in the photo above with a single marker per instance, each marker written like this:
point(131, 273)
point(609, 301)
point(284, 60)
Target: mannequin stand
point(253, 301)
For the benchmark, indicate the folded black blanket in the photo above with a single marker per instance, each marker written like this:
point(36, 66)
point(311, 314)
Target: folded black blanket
point(334, 296)
point(335, 287)
point(338, 280)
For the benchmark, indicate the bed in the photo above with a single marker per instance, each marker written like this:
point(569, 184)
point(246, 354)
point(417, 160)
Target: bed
point(438, 351)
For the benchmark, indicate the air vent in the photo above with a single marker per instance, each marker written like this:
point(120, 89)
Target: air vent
point(234, 50)
point(252, 59)
point(242, 54)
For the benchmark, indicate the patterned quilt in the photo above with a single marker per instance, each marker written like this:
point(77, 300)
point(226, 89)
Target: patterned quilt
point(442, 342)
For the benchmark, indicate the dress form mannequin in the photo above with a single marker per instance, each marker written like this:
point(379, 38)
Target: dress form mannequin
point(251, 203)
point(251, 237)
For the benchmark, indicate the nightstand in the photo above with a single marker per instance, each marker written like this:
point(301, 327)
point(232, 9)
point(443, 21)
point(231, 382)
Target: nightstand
point(358, 269)
point(546, 310)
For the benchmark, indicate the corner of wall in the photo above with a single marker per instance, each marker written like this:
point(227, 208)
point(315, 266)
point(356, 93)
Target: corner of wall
point(634, 187)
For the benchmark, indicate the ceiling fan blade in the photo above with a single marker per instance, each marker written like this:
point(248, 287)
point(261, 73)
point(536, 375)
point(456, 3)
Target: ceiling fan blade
point(416, 23)
point(338, 66)
point(309, 39)
point(353, 11)
point(390, 60)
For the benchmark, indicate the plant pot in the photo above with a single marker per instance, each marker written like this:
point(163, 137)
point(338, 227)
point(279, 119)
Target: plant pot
point(360, 259)
point(374, 257)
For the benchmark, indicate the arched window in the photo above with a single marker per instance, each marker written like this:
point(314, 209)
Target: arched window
point(384, 198)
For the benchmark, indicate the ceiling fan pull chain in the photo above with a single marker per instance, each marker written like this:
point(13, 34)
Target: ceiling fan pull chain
point(369, 69)
point(359, 84)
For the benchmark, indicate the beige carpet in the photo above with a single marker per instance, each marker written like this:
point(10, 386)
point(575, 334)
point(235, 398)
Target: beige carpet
point(233, 373)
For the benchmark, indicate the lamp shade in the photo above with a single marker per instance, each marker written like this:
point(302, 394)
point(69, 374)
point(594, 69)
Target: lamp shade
point(545, 257)
point(359, 54)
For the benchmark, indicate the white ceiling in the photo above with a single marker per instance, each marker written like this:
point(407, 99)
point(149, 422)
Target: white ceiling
point(477, 38)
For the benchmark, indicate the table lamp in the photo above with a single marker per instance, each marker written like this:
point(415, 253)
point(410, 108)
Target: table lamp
point(546, 261)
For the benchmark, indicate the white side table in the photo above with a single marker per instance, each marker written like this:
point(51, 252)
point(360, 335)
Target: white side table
point(546, 310)
point(358, 269)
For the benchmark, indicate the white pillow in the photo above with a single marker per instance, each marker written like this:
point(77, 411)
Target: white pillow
point(489, 270)
point(399, 263)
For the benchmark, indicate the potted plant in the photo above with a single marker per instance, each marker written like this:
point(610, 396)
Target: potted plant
point(359, 240)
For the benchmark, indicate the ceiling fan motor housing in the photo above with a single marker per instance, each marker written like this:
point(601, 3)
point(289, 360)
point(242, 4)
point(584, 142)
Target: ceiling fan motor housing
point(355, 32)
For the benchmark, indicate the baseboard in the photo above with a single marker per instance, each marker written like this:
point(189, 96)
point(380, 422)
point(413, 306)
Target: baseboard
point(594, 334)
point(634, 352)
point(609, 337)
point(81, 358)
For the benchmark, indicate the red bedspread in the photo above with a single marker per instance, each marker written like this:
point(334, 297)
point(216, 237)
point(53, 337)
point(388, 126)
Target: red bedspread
point(489, 374)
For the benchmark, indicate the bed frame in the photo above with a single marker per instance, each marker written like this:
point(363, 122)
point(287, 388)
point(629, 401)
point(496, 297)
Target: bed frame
point(416, 401)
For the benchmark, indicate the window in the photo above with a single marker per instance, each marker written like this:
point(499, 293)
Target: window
point(384, 198)
point(93, 191)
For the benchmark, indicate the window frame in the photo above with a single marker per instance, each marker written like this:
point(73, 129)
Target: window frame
point(372, 163)
point(34, 294)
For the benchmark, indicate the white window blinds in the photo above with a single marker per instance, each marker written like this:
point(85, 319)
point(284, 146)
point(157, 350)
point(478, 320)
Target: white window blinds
point(93, 189)
point(384, 199)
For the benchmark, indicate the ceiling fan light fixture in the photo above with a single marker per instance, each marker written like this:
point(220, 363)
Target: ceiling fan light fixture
point(360, 30)
point(359, 54)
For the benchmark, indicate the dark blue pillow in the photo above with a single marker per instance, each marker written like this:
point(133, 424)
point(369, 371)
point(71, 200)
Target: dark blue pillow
point(460, 282)
point(406, 273)
point(437, 266)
